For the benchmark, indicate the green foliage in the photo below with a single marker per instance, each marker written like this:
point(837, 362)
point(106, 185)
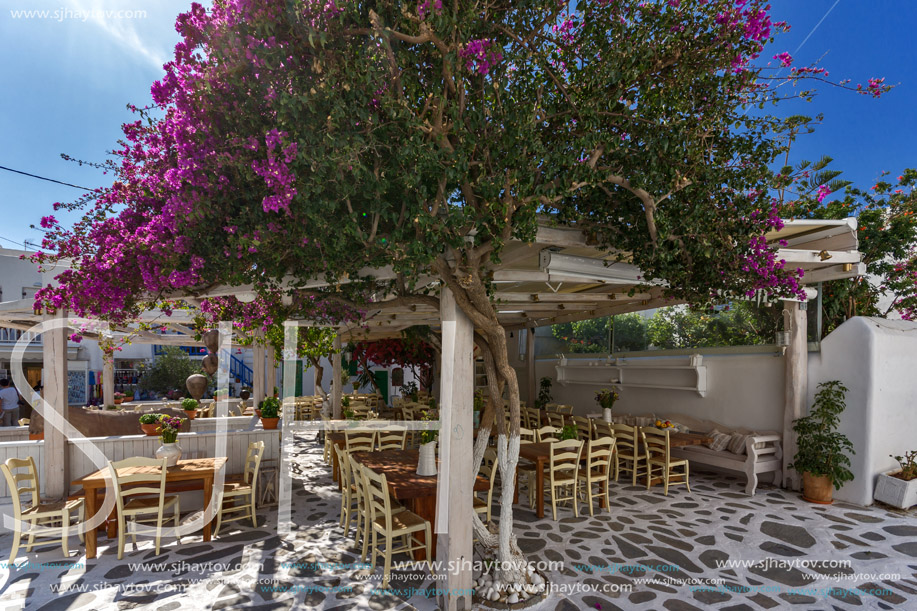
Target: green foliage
point(168, 371)
point(410, 390)
point(629, 332)
point(189, 404)
point(270, 407)
point(568, 432)
point(741, 323)
point(478, 401)
point(544, 393)
point(584, 336)
point(908, 464)
point(345, 401)
point(821, 449)
point(150, 418)
point(428, 435)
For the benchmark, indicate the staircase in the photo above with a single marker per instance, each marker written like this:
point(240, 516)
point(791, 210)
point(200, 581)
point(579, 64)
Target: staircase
point(238, 369)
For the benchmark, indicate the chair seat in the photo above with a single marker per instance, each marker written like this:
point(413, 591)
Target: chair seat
point(139, 505)
point(51, 508)
point(479, 505)
point(402, 521)
point(671, 463)
point(564, 479)
point(593, 474)
point(233, 488)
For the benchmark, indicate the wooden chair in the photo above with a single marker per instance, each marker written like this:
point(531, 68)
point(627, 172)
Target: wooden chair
point(41, 517)
point(583, 427)
point(488, 470)
point(627, 452)
point(547, 433)
point(147, 508)
point(556, 419)
point(658, 446)
point(241, 488)
point(392, 440)
point(563, 472)
point(408, 413)
point(598, 469)
point(389, 524)
point(600, 429)
point(24, 421)
point(526, 435)
point(564, 409)
point(360, 441)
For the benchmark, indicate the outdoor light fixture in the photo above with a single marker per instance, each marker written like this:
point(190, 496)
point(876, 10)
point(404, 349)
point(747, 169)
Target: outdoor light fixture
point(588, 268)
point(523, 341)
point(246, 297)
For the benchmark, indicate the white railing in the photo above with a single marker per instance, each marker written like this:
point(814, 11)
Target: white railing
point(11, 336)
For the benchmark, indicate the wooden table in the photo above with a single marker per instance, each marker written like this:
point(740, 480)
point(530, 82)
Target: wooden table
point(416, 492)
point(189, 470)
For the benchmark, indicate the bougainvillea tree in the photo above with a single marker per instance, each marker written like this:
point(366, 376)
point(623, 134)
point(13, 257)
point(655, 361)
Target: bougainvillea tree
point(410, 352)
point(299, 139)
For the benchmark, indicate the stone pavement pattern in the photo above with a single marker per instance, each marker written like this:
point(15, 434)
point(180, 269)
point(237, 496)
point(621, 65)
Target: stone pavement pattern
point(666, 539)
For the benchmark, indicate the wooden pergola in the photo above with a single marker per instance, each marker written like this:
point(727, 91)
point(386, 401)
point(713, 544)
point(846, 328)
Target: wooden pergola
point(561, 277)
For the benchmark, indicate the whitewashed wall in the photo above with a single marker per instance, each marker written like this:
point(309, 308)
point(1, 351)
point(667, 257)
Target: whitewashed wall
point(876, 360)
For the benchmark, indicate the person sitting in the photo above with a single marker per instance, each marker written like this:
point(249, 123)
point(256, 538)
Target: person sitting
point(9, 402)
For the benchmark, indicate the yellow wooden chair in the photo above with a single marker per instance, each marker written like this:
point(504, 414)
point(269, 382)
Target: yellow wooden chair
point(658, 446)
point(42, 518)
point(564, 409)
point(563, 472)
point(556, 419)
point(583, 427)
point(146, 508)
point(392, 440)
point(489, 471)
point(627, 452)
point(547, 433)
point(243, 489)
point(598, 470)
point(388, 524)
point(360, 441)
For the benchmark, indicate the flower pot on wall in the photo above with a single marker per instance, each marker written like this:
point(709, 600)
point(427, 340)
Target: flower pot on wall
point(817, 488)
point(269, 424)
point(895, 491)
point(191, 413)
point(151, 430)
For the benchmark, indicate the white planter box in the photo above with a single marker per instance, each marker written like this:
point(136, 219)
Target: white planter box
point(896, 492)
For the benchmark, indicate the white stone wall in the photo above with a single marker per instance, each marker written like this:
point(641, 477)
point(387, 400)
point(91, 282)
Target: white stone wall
point(876, 360)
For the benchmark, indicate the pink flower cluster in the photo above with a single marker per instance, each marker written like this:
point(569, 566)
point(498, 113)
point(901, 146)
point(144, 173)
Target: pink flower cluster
point(276, 172)
point(482, 55)
point(423, 8)
point(785, 59)
point(767, 271)
point(823, 192)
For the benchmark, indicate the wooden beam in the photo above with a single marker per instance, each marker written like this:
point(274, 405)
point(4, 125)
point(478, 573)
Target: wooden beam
point(454, 493)
point(56, 463)
point(558, 236)
point(528, 275)
point(795, 385)
point(799, 257)
point(509, 297)
point(834, 272)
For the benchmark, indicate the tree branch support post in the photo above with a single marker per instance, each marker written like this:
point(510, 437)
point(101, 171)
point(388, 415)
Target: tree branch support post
point(337, 389)
point(108, 379)
point(454, 509)
point(259, 377)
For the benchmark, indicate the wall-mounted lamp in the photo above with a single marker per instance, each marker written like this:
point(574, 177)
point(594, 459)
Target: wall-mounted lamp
point(246, 297)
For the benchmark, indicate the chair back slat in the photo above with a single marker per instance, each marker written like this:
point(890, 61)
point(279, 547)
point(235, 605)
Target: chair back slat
point(375, 487)
point(526, 435)
point(626, 435)
point(565, 455)
point(360, 441)
point(13, 478)
point(656, 441)
point(547, 433)
point(253, 462)
point(600, 428)
point(598, 454)
point(392, 440)
point(138, 470)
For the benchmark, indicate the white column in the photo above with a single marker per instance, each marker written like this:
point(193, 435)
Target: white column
point(56, 463)
point(108, 379)
point(270, 372)
point(258, 370)
point(337, 389)
point(456, 440)
point(530, 367)
point(796, 386)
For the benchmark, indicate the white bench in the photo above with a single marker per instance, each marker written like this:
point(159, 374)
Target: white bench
point(763, 453)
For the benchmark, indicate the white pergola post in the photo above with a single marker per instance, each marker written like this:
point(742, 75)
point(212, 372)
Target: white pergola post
point(796, 385)
point(258, 370)
point(530, 366)
point(456, 439)
point(270, 372)
point(108, 379)
point(337, 389)
point(55, 382)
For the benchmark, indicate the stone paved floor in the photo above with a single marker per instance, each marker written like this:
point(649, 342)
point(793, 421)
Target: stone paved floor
point(604, 562)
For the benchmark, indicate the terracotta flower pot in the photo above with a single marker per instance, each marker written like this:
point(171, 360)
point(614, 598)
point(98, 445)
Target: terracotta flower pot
point(817, 488)
point(191, 413)
point(269, 424)
point(119, 401)
point(258, 412)
point(151, 430)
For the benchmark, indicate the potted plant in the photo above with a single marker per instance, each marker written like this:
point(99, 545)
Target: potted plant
point(478, 408)
point(898, 488)
point(568, 432)
point(168, 433)
point(426, 462)
point(821, 455)
point(269, 413)
point(606, 399)
point(149, 424)
point(544, 393)
point(410, 391)
point(119, 398)
point(189, 406)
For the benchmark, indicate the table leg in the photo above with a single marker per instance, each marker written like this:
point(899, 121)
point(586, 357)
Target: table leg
point(425, 507)
point(92, 507)
point(539, 486)
point(208, 519)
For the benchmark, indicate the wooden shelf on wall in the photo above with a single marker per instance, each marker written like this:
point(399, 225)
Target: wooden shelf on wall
point(626, 373)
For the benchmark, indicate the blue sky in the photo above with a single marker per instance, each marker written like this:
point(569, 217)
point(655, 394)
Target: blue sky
point(68, 78)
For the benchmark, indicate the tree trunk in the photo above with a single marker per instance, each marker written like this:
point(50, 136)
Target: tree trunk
point(319, 375)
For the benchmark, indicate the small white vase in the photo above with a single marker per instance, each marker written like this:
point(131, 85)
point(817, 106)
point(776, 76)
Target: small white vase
point(606, 414)
point(172, 451)
point(426, 463)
